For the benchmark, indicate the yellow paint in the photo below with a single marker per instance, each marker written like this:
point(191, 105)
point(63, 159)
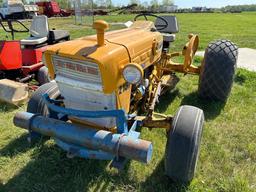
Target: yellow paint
point(188, 52)
point(112, 51)
point(123, 100)
point(100, 27)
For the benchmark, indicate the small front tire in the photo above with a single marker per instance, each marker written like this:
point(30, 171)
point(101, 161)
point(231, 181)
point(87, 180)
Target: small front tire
point(183, 143)
point(43, 76)
point(36, 103)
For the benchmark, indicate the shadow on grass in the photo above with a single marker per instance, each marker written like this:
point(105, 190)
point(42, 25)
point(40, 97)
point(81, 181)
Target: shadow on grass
point(157, 181)
point(240, 78)
point(211, 108)
point(16, 146)
point(51, 170)
point(5, 107)
point(166, 100)
point(20, 145)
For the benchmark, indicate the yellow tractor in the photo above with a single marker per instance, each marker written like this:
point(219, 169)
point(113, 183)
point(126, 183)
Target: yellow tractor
point(106, 86)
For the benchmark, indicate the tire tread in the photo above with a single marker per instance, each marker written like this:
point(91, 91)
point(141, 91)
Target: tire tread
point(218, 70)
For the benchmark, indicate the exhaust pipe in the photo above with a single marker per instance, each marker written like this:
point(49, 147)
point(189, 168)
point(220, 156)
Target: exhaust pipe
point(115, 144)
point(100, 27)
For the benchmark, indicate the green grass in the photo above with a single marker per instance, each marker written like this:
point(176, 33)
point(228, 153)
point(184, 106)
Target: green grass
point(239, 28)
point(228, 151)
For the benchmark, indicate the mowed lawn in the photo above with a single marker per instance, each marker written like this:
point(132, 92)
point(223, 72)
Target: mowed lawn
point(228, 152)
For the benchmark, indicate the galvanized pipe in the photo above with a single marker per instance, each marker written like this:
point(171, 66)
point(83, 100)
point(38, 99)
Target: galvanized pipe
point(116, 144)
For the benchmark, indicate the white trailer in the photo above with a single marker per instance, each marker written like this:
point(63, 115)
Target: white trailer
point(17, 9)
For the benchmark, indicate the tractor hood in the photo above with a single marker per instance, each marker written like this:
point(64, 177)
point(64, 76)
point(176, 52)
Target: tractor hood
point(136, 44)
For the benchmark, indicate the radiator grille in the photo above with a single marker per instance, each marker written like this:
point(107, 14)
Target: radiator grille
point(78, 70)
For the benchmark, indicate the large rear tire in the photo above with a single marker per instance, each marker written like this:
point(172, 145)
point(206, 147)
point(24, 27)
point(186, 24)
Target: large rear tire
point(183, 143)
point(36, 104)
point(218, 70)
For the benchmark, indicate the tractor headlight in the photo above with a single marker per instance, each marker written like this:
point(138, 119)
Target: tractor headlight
point(133, 73)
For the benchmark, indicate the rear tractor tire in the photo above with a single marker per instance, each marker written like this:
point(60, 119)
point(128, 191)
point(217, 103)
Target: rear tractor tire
point(218, 70)
point(183, 144)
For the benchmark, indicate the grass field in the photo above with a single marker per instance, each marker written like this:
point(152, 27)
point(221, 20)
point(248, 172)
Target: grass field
point(228, 151)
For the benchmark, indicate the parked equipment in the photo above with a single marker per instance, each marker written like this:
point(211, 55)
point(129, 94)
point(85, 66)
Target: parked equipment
point(21, 60)
point(118, 11)
point(15, 9)
point(51, 9)
point(107, 86)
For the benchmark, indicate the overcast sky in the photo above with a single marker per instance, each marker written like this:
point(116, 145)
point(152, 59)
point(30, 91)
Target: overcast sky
point(192, 3)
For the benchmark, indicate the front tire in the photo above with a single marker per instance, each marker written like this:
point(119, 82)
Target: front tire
point(43, 76)
point(36, 103)
point(183, 143)
point(218, 70)
point(1, 17)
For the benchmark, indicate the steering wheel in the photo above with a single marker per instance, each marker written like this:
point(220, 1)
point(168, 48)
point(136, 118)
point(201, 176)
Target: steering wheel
point(159, 27)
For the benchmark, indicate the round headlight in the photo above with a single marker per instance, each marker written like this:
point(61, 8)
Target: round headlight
point(133, 73)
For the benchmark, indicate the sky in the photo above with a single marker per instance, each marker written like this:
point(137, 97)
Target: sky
point(195, 3)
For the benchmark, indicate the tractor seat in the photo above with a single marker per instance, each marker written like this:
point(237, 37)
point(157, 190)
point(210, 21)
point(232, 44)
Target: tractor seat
point(56, 36)
point(39, 31)
point(33, 41)
point(169, 37)
point(172, 28)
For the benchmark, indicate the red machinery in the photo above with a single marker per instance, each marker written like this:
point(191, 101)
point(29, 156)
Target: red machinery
point(19, 64)
point(51, 9)
point(21, 61)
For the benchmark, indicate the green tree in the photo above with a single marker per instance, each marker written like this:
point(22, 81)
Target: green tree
point(64, 4)
point(135, 2)
point(109, 4)
point(154, 4)
point(145, 4)
point(239, 8)
point(167, 2)
point(100, 3)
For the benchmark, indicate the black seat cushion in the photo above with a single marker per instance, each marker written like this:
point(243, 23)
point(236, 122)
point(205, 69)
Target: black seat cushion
point(56, 36)
point(172, 27)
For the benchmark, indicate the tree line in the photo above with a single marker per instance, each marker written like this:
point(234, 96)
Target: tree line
point(103, 4)
point(239, 8)
point(142, 5)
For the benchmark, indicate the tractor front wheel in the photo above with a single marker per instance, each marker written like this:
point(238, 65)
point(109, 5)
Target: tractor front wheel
point(36, 103)
point(218, 70)
point(183, 144)
point(42, 75)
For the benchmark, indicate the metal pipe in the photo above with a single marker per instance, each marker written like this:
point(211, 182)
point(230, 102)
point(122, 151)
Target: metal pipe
point(116, 144)
point(25, 79)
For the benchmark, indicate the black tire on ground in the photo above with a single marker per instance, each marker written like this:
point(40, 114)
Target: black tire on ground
point(43, 76)
point(183, 144)
point(1, 17)
point(36, 103)
point(218, 70)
